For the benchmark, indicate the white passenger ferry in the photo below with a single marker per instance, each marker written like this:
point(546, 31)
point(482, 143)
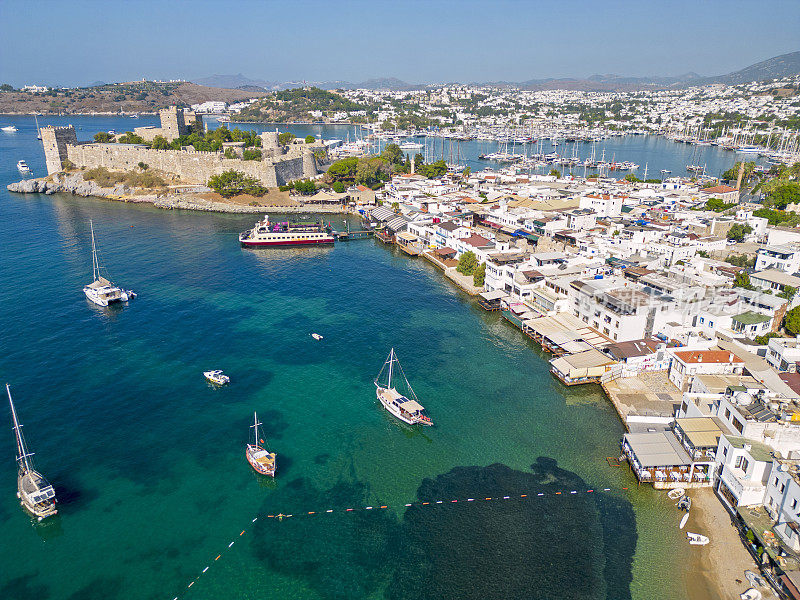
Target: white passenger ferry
point(286, 233)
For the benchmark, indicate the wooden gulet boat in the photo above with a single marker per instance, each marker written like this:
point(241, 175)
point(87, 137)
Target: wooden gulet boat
point(36, 495)
point(405, 406)
point(262, 461)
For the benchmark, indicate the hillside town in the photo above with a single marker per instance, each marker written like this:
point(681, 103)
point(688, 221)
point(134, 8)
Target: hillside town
point(639, 287)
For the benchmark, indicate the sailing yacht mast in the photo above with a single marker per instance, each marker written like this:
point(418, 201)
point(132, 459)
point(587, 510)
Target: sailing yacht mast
point(391, 363)
point(95, 266)
point(22, 451)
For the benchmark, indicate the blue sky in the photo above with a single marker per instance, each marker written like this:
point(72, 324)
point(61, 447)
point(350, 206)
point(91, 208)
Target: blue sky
point(80, 41)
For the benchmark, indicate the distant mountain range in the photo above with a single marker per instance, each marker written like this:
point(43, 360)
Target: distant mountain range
point(779, 66)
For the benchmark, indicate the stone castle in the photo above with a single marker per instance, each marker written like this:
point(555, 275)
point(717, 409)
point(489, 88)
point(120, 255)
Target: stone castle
point(279, 164)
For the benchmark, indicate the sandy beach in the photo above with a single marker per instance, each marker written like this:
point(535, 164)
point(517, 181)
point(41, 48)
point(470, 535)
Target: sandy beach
point(714, 569)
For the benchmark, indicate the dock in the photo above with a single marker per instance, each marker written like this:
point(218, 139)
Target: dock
point(346, 236)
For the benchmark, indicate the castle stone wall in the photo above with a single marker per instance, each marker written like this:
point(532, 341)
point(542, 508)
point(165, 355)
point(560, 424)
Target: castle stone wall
point(55, 141)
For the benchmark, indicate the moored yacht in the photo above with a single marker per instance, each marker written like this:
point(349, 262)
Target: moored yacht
point(36, 495)
point(23, 167)
point(263, 462)
point(286, 233)
point(101, 291)
point(9, 129)
point(404, 406)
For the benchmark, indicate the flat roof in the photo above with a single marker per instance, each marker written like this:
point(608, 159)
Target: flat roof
point(758, 451)
point(775, 276)
point(702, 432)
point(657, 449)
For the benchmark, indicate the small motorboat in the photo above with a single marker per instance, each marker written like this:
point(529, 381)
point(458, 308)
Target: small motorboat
point(9, 129)
point(23, 167)
point(316, 336)
point(683, 521)
point(217, 377)
point(754, 579)
point(695, 539)
point(685, 503)
point(676, 493)
point(751, 594)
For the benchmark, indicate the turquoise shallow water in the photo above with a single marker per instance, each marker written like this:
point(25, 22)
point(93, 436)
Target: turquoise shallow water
point(147, 459)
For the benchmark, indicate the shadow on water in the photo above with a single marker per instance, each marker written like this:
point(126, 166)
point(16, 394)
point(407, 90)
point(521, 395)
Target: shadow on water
point(26, 587)
point(564, 546)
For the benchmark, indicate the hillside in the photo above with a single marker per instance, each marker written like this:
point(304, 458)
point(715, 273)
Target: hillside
point(136, 96)
point(296, 104)
point(785, 65)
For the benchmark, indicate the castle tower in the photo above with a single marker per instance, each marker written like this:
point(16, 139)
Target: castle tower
point(173, 124)
point(54, 141)
point(309, 163)
point(269, 140)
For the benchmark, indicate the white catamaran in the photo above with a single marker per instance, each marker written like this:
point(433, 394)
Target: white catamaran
point(101, 291)
point(405, 407)
point(36, 495)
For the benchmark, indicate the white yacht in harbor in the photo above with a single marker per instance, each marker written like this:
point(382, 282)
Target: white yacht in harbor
point(411, 146)
point(9, 129)
point(36, 495)
point(405, 407)
point(23, 167)
point(101, 291)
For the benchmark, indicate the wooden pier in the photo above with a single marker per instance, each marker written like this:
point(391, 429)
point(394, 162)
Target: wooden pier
point(346, 236)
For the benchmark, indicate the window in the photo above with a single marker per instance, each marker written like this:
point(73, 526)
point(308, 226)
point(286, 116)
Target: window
point(794, 503)
point(776, 482)
point(724, 451)
point(738, 463)
point(738, 425)
point(711, 323)
point(783, 487)
point(728, 414)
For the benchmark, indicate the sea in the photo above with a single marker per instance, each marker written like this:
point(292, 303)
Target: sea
point(156, 499)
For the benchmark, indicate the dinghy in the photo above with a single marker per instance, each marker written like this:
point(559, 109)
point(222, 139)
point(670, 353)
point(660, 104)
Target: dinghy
point(695, 539)
point(683, 521)
point(676, 493)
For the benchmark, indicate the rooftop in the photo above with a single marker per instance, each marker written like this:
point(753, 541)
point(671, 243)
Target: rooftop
point(707, 356)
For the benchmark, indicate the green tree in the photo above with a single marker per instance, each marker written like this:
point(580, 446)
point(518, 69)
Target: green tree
point(392, 154)
point(285, 138)
point(6, 88)
point(366, 172)
point(466, 173)
point(232, 183)
point(742, 280)
point(103, 137)
point(339, 187)
point(479, 275)
point(555, 173)
point(732, 174)
point(306, 187)
point(251, 154)
point(788, 292)
point(764, 339)
point(310, 139)
point(740, 260)
point(159, 143)
point(143, 165)
point(784, 194)
point(130, 138)
point(343, 170)
point(467, 263)
point(792, 321)
point(229, 153)
point(738, 231)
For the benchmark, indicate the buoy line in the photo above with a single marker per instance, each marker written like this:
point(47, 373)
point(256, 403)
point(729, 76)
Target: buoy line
point(282, 516)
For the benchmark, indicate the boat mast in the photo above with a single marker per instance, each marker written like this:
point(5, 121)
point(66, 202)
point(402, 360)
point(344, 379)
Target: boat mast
point(391, 362)
point(95, 266)
point(22, 451)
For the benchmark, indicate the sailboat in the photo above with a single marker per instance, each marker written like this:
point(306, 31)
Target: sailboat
point(101, 291)
point(38, 130)
point(36, 495)
point(263, 462)
point(405, 407)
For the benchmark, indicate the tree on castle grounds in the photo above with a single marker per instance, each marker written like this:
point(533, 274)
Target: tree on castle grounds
point(159, 143)
point(232, 183)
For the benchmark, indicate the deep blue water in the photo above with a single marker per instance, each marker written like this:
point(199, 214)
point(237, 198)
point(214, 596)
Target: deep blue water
point(148, 460)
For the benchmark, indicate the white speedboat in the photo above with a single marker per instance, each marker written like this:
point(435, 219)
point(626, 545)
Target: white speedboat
point(23, 167)
point(316, 336)
point(405, 407)
point(217, 377)
point(36, 495)
point(695, 539)
point(9, 129)
point(683, 521)
point(411, 146)
point(101, 291)
point(751, 594)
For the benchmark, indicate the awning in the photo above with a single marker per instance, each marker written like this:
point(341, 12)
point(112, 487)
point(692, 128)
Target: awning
point(493, 295)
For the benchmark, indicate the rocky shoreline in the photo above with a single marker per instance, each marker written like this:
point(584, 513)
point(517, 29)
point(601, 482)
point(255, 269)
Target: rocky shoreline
point(75, 184)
